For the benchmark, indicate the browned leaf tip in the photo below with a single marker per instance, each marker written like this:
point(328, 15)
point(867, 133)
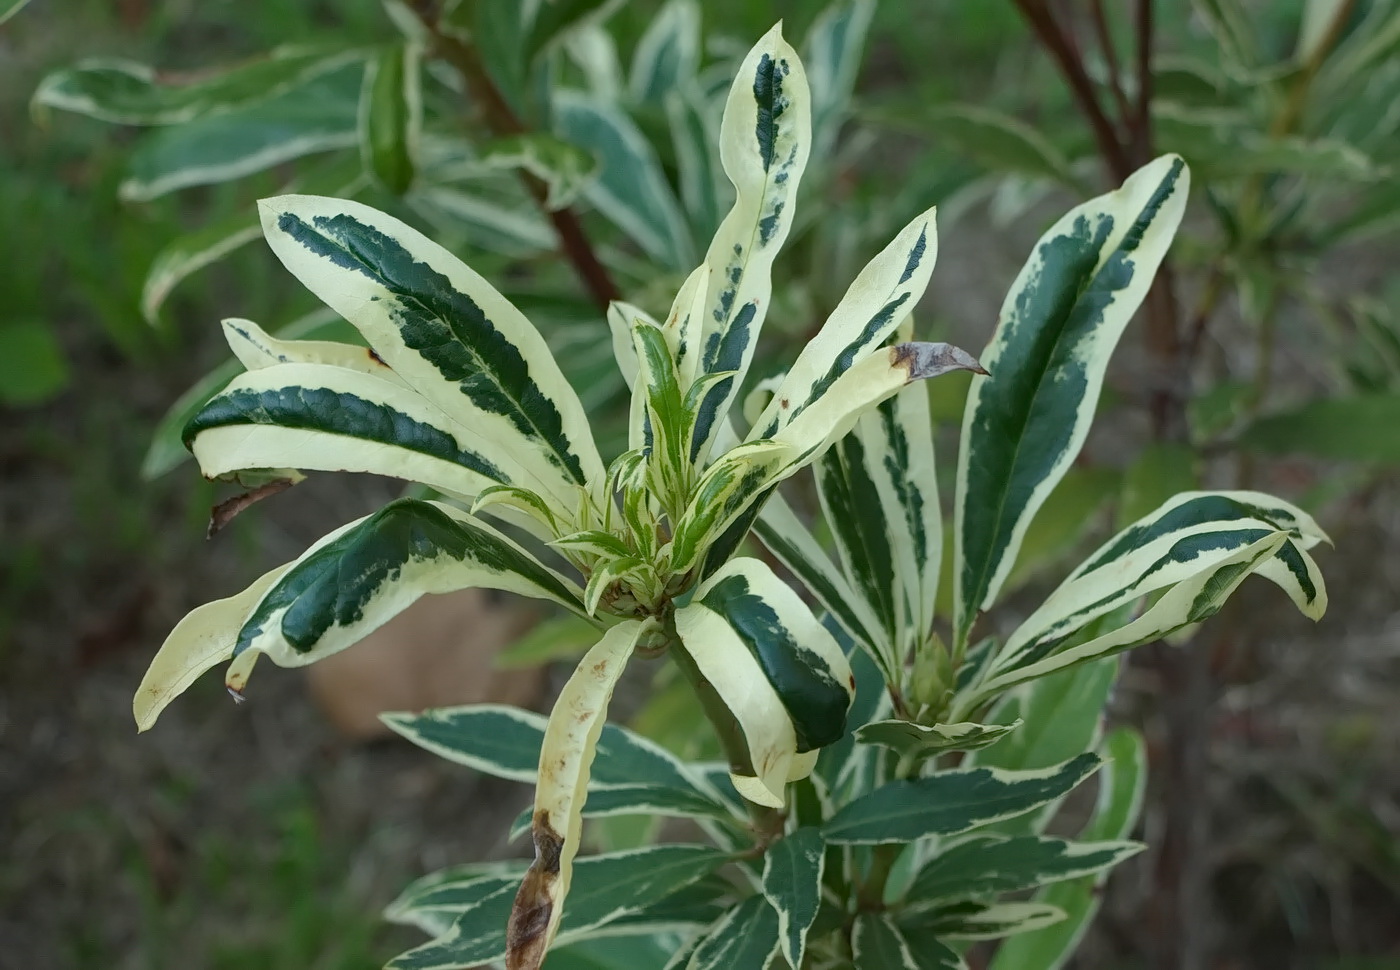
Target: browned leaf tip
point(223, 513)
point(526, 937)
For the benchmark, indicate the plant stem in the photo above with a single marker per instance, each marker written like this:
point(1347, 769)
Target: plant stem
point(1141, 122)
point(461, 52)
point(1042, 21)
point(767, 822)
point(1110, 56)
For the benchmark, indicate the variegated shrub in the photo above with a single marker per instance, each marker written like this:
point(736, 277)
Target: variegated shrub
point(881, 794)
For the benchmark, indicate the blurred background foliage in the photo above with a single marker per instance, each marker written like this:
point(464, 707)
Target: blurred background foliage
point(1271, 359)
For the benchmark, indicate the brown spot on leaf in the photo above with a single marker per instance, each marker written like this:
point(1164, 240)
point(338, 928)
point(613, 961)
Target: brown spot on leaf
point(784, 404)
point(224, 513)
point(526, 936)
point(375, 357)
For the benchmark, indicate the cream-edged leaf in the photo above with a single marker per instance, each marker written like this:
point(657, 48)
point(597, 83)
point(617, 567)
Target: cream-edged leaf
point(765, 138)
point(205, 637)
point(331, 418)
point(884, 293)
point(1024, 425)
point(774, 665)
point(443, 329)
point(356, 579)
point(566, 757)
point(1190, 601)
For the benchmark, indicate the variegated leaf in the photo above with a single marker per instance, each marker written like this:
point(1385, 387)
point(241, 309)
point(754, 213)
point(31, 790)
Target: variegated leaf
point(734, 487)
point(630, 773)
point(444, 330)
point(985, 921)
point(832, 54)
point(1189, 601)
point(1188, 535)
point(702, 185)
point(129, 93)
point(878, 492)
point(332, 418)
point(987, 868)
point(792, 884)
point(317, 117)
point(347, 585)
point(1024, 425)
point(255, 349)
point(566, 757)
point(916, 742)
point(198, 642)
point(638, 891)
point(776, 667)
point(745, 939)
point(949, 802)
point(884, 293)
point(765, 138)
point(1121, 788)
point(668, 53)
point(877, 944)
point(793, 544)
point(564, 168)
point(631, 190)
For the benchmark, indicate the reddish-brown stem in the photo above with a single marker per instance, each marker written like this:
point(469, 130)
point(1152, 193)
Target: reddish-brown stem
point(1110, 57)
point(502, 121)
point(1141, 123)
point(1042, 21)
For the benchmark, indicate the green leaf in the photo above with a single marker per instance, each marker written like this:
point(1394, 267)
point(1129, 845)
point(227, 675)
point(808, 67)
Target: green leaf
point(985, 921)
point(8, 8)
point(629, 774)
point(552, 20)
point(668, 53)
point(189, 254)
point(129, 93)
point(996, 140)
point(1025, 423)
point(33, 366)
point(1073, 509)
point(702, 184)
point(318, 116)
point(832, 52)
point(918, 742)
point(631, 190)
point(792, 883)
point(474, 903)
point(1356, 428)
point(446, 331)
point(391, 116)
point(1121, 786)
point(765, 138)
point(877, 944)
point(949, 802)
point(782, 674)
point(982, 868)
point(745, 939)
point(556, 638)
point(564, 168)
